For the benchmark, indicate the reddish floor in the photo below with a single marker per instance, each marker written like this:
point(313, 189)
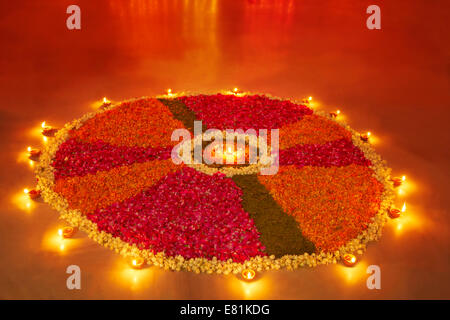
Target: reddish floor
point(394, 82)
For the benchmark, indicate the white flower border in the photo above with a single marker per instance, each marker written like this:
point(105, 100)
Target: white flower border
point(228, 171)
point(45, 174)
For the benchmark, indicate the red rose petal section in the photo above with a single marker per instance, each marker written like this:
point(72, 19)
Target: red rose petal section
point(143, 123)
point(253, 111)
point(332, 205)
point(334, 153)
point(76, 158)
point(187, 213)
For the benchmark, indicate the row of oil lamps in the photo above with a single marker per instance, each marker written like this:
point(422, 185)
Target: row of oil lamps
point(138, 262)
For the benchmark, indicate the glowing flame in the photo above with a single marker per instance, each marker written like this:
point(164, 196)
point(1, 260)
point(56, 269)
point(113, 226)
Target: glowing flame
point(404, 207)
point(43, 125)
point(248, 274)
point(403, 178)
point(137, 263)
point(60, 232)
point(310, 98)
point(26, 190)
point(368, 133)
point(169, 92)
point(235, 89)
point(29, 149)
point(338, 111)
point(105, 100)
point(349, 259)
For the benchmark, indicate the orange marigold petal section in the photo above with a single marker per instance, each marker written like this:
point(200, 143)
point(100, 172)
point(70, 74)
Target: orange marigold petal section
point(332, 205)
point(311, 129)
point(142, 123)
point(94, 191)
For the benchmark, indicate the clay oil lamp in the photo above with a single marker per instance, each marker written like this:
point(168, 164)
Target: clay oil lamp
point(66, 232)
point(395, 213)
point(137, 262)
point(335, 114)
point(33, 153)
point(365, 136)
point(307, 100)
point(349, 259)
point(398, 181)
point(248, 274)
point(33, 194)
point(105, 103)
point(48, 131)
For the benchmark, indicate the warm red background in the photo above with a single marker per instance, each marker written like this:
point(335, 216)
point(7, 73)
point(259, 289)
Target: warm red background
point(393, 81)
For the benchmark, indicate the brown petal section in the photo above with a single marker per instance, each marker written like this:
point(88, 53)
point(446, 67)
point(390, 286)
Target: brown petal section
point(279, 232)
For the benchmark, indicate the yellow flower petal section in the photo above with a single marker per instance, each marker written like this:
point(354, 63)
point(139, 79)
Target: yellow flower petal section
point(99, 190)
point(311, 129)
point(142, 123)
point(332, 205)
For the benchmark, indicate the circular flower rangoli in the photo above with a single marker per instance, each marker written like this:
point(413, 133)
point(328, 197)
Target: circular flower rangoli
point(110, 173)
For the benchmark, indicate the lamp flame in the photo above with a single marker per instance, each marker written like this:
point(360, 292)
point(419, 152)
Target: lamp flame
point(137, 263)
point(404, 207)
point(248, 274)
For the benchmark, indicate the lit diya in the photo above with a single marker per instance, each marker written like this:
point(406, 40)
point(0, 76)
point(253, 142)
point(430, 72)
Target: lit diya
point(48, 131)
point(231, 155)
point(248, 274)
point(335, 114)
point(66, 232)
point(105, 103)
point(398, 181)
point(137, 263)
point(308, 100)
point(33, 153)
point(395, 213)
point(365, 136)
point(349, 259)
point(33, 194)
